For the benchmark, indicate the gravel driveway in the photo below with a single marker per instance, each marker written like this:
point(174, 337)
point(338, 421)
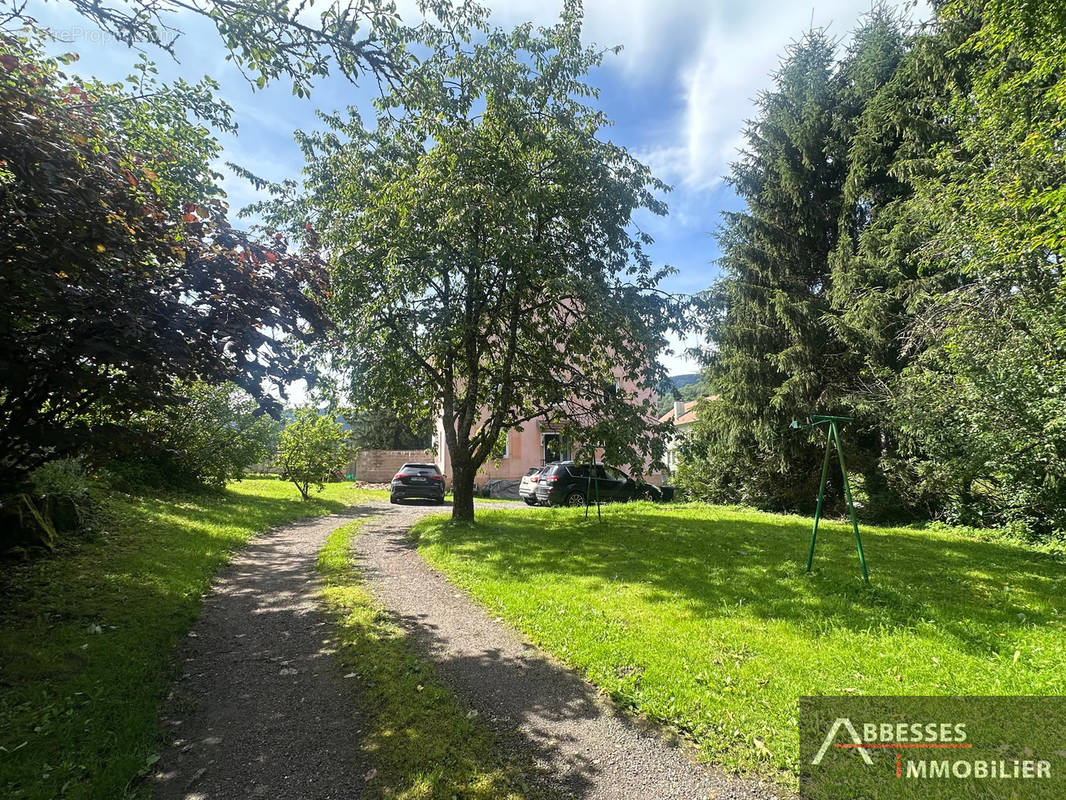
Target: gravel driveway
point(261, 710)
point(540, 709)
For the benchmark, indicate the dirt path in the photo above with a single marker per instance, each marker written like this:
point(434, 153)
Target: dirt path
point(260, 709)
point(541, 710)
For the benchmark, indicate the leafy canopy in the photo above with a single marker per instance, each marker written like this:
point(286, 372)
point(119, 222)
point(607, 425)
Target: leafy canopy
point(119, 269)
point(485, 262)
point(266, 39)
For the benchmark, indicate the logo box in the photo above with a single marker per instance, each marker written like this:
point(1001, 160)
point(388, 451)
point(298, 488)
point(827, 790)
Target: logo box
point(932, 748)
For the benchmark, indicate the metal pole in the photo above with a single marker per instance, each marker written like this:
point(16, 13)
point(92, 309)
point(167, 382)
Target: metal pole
point(851, 505)
point(598, 517)
point(821, 495)
point(588, 490)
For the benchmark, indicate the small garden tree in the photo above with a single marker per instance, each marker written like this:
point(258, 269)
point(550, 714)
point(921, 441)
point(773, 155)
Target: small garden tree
point(313, 447)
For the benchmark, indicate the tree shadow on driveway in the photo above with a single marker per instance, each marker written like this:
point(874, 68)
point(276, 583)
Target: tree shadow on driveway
point(572, 740)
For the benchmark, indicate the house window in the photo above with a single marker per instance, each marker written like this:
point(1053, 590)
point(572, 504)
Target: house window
point(555, 447)
point(506, 446)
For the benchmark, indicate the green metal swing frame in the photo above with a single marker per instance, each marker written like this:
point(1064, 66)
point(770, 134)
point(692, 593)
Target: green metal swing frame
point(588, 489)
point(832, 438)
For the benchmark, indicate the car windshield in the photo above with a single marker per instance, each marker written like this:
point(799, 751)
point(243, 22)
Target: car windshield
point(534, 470)
point(430, 467)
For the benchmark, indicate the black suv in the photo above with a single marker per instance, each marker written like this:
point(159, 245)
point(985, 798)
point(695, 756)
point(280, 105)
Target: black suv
point(417, 480)
point(566, 484)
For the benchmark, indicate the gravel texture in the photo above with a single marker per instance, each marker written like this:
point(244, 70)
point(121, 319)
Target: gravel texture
point(260, 709)
point(542, 711)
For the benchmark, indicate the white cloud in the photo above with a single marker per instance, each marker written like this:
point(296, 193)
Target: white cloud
point(716, 56)
point(739, 50)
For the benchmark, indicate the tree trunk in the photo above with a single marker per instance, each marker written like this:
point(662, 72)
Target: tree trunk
point(462, 492)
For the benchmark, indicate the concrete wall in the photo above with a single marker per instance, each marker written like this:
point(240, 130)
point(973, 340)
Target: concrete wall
point(378, 466)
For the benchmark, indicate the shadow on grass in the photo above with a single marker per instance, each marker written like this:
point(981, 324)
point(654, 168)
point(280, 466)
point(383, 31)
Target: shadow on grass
point(722, 563)
point(87, 636)
point(537, 712)
point(421, 742)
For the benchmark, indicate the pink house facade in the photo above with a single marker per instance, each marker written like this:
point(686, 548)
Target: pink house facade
point(533, 445)
point(537, 443)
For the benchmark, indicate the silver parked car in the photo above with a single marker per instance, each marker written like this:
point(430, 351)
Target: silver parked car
point(527, 489)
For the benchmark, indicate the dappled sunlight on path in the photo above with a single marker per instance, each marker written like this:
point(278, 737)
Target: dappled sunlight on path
point(259, 709)
point(580, 743)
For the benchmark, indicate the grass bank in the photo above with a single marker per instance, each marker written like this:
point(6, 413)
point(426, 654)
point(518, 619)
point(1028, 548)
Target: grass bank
point(704, 618)
point(87, 636)
point(417, 736)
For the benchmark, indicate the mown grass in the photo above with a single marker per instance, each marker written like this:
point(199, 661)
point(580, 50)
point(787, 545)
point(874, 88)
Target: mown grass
point(418, 738)
point(704, 618)
point(87, 636)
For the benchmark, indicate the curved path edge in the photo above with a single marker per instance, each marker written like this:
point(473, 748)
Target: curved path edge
point(577, 740)
point(260, 708)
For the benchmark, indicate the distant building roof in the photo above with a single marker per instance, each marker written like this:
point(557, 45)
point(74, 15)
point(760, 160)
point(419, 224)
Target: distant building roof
point(688, 409)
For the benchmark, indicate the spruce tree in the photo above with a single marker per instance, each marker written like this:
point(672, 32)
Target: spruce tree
point(778, 350)
point(888, 116)
point(771, 348)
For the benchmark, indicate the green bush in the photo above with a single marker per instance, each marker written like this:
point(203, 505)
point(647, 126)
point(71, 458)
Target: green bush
point(208, 440)
point(59, 499)
point(63, 478)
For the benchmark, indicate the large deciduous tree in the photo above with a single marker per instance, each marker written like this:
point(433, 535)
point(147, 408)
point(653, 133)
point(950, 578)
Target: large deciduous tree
point(118, 269)
point(983, 407)
point(485, 262)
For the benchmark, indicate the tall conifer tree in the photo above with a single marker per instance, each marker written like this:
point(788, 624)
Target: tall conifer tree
point(776, 351)
point(770, 344)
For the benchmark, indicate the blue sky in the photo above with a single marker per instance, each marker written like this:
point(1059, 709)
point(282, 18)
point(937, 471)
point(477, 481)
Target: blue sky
point(679, 93)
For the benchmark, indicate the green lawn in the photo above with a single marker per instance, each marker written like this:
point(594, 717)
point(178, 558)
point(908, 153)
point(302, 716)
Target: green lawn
point(87, 636)
point(415, 733)
point(703, 617)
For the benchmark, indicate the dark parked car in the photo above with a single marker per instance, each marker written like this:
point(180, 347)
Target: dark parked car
point(567, 483)
point(417, 480)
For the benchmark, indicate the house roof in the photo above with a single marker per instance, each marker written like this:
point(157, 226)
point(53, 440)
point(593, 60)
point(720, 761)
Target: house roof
point(689, 412)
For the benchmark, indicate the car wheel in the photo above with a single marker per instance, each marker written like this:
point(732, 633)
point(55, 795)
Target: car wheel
point(575, 499)
point(530, 501)
point(393, 500)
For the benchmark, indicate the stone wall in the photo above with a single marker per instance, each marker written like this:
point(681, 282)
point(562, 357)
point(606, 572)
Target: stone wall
point(378, 466)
